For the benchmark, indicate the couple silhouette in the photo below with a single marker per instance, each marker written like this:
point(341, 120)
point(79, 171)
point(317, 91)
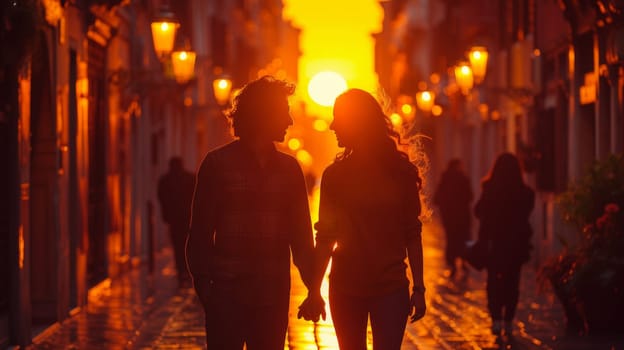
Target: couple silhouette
point(250, 213)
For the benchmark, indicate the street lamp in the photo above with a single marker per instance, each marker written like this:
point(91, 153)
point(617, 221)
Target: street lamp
point(464, 77)
point(404, 103)
point(183, 63)
point(164, 28)
point(222, 88)
point(478, 56)
point(425, 100)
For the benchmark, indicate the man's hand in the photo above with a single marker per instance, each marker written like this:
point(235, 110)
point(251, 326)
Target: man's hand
point(417, 306)
point(312, 308)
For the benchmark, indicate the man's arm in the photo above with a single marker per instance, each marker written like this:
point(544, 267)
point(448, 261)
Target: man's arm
point(200, 243)
point(302, 239)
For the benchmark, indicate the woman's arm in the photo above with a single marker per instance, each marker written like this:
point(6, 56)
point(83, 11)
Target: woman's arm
point(314, 305)
point(415, 252)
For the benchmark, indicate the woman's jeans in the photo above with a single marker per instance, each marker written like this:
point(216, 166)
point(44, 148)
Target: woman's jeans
point(503, 289)
point(388, 315)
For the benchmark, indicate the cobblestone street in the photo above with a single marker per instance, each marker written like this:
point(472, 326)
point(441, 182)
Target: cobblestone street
point(140, 312)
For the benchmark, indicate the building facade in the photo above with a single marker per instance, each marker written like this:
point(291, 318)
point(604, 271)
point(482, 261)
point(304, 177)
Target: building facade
point(90, 117)
point(552, 93)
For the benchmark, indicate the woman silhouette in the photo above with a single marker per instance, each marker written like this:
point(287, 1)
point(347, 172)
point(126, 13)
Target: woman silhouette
point(368, 224)
point(503, 212)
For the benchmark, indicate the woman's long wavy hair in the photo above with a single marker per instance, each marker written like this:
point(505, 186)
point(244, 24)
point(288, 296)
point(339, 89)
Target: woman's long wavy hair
point(373, 125)
point(506, 172)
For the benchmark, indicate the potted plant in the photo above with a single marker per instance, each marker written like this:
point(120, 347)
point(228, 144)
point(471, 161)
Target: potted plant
point(588, 276)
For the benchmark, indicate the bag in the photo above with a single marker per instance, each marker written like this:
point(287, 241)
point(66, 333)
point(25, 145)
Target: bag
point(477, 253)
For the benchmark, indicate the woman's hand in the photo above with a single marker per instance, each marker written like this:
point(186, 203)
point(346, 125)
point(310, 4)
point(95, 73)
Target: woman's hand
point(417, 306)
point(312, 308)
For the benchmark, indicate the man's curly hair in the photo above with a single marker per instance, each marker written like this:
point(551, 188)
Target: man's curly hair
point(254, 101)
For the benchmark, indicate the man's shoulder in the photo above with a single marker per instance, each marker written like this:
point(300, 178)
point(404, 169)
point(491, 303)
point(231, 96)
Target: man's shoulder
point(224, 149)
point(286, 158)
point(221, 152)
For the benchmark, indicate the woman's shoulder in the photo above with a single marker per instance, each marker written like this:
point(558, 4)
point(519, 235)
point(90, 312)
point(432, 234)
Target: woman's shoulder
point(334, 169)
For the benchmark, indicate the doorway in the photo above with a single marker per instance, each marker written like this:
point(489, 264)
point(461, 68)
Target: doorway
point(97, 259)
point(43, 194)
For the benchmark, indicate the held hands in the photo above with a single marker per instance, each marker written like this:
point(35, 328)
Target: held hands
point(312, 308)
point(417, 306)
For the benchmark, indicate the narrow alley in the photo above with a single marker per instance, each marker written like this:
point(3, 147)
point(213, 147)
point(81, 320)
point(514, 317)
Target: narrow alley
point(137, 311)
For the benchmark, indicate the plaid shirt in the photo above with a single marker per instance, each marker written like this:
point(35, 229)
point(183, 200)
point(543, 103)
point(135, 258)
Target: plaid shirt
point(245, 221)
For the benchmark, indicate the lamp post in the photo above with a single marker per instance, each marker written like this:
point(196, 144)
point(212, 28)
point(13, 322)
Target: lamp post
point(464, 77)
point(164, 28)
point(222, 88)
point(183, 63)
point(425, 100)
point(478, 57)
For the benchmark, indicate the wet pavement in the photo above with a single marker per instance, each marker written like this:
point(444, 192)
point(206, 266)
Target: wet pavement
point(137, 311)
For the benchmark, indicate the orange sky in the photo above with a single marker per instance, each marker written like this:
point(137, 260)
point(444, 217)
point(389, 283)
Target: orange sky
point(336, 36)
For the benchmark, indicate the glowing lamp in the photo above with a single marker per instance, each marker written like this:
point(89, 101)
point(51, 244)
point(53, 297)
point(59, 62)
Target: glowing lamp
point(183, 63)
point(478, 56)
point(164, 28)
point(304, 157)
point(320, 125)
point(425, 100)
point(222, 88)
point(396, 119)
point(464, 77)
point(436, 110)
point(294, 144)
point(405, 107)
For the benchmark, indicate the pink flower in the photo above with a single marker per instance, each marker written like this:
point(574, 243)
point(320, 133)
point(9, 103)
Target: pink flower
point(611, 208)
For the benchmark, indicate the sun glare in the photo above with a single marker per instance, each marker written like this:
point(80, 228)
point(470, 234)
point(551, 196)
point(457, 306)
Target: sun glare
point(336, 36)
point(324, 87)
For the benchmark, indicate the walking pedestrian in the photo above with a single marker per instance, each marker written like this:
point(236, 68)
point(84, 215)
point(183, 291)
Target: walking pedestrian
point(503, 211)
point(175, 193)
point(453, 197)
point(250, 211)
point(368, 225)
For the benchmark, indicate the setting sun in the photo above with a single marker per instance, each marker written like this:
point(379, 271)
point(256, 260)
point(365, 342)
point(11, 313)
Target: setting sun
point(324, 87)
point(327, 47)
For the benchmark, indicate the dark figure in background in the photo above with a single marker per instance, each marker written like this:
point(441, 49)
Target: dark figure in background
point(250, 211)
point(175, 193)
point(503, 212)
point(368, 225)
point(453, 197)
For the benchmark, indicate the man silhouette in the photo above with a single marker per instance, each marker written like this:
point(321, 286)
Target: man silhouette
point(250, 210)
point(453, 197)
point(175, 193)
